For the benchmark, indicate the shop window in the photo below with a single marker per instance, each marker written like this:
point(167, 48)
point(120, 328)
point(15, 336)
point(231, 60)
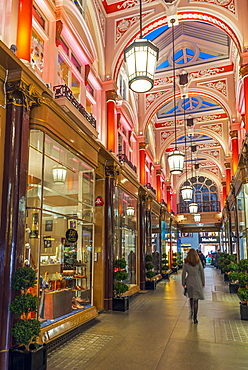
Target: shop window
point(37, 53)
point(64, 46)
point(126, 232)
point(89, 88)
point(88, 106)
point(63, 71)
point(76, 63)
point(59, 198)
point(39, 17)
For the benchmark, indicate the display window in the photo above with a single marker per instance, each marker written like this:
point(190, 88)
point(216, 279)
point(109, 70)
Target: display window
point(126, 232)
point(242, 204)
point(59, 226)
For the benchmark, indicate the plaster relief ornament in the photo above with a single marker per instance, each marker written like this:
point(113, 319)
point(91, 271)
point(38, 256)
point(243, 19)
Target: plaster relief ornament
point(216, 128)
point(123, 25)
point(216, 85)
point(209, 118)
point(152, 97)
point(101, 19)
point(227, 4)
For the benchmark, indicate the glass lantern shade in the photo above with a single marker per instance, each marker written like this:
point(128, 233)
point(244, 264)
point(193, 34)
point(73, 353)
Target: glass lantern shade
point(141, 58)
point(193, 208)
point(187, 193)
point(197, 217)
point(59, 174)
point(130, 211)
point(175, 160)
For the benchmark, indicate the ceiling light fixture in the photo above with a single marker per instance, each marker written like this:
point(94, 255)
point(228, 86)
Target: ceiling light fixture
point(141, 58)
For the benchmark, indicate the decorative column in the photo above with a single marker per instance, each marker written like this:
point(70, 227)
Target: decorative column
point(142, 237)
point(168, 198)
point(111, 96)
point(142, 154)
point(159, 195)
point(109, 236)
point(244, 74)
point(228, 177)
point(20, 99)
point(223, 193)
point(24, 29)
point(235, 150)
point(148, 226)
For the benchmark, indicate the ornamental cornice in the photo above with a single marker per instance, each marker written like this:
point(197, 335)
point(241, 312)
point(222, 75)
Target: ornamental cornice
point(227, 4)
point(233, 134)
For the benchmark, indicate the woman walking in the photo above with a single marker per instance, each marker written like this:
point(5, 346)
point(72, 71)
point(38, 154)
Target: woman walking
point(194, 280)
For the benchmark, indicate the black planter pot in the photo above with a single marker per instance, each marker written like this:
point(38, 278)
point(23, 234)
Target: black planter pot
point(151, 284)
point(121, 304)
point(166, 276)
point(226, 278)
point(174, 270)
point(233, 287)
point(243, 311)
point(32, 360)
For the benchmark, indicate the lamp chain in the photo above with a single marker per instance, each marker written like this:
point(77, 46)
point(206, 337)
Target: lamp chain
point(141, 19)
point(185, 139)
point(174, 79)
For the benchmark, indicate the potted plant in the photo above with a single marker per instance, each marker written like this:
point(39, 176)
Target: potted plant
point(150, 274)
point(174, 263)
point(243, 290)
point(27, 354)
point(179, 260)
point(233, 281)
point(120, 303)
point(165, 267)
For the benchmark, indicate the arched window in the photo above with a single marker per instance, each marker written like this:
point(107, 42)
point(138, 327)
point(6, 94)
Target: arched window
point(205, 194)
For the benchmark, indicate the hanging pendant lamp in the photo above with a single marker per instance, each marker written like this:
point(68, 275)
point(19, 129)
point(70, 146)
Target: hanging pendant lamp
point(141, 58)
point(197, 217)
point(187, 190)
point(175, 158)
point(193, 208)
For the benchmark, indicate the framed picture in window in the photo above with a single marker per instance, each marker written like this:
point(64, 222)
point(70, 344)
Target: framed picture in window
point(72, 224)
point(49, 225)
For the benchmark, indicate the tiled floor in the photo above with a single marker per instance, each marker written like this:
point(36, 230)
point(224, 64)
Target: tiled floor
point(156, 334)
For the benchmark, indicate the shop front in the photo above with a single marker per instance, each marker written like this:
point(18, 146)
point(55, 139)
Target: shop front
point(60, 230)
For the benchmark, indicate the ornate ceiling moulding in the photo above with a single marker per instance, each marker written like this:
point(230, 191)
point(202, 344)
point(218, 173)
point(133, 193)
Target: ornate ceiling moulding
point(227, 4)
point(101, 20)
point(124, 24)
point(197, 120)
point(208, 145)
point(219, 85)
point(205, 73)
point(212, 153)
point(116, 6)
point(216, 128)
point(152, 97)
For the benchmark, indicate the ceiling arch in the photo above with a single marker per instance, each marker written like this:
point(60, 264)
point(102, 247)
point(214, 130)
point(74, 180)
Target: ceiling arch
point(191, 14)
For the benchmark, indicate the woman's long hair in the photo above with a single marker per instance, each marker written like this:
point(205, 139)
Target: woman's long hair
point(192, 257)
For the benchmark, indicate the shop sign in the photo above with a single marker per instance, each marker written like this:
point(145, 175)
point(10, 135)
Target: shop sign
point(71, 235)
point(209, 239)
point(99, 201)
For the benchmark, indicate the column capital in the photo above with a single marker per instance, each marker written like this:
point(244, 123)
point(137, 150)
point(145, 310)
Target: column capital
point(233, 134)
point(243, 71)
point(227, 165)
point(223, 183)
point(111, 95)
point(158, 172)
point(142, 146)
point(31, 97)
